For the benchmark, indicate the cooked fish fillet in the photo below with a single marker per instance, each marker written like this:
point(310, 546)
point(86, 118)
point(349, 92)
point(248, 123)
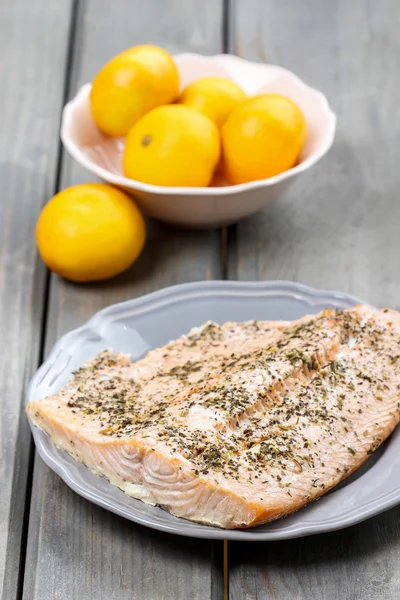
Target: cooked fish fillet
point(240, 424)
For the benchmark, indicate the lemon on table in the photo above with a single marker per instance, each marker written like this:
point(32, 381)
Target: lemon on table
point(214, 97)
point(172, 146)
point(90, 232)
point(131, 84)
point(262, 138)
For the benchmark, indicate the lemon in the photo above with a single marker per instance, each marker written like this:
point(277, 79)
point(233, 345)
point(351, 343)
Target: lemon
point(214, 97)
point(131, 84)
point(172, 146)
point(90, 232)
point(261, 138)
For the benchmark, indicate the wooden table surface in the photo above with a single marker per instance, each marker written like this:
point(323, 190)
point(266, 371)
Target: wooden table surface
point(337, 228)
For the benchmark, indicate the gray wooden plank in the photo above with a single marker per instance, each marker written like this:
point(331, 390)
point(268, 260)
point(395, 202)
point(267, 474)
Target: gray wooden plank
point(336, 228)
point(361, 562)
point(76, 549)
point(33, 43)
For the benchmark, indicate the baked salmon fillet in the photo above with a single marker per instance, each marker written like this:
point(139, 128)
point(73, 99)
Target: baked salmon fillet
point(240, 424)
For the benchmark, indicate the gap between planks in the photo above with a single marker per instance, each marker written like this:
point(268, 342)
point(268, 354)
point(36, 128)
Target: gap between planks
point(226, 570)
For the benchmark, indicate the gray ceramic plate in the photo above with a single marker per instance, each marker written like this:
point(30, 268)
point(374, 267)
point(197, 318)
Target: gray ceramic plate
point(150, 321)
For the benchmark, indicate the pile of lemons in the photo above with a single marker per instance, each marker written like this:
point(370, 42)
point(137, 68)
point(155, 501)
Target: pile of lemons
point(94, 231)
point(177, 139)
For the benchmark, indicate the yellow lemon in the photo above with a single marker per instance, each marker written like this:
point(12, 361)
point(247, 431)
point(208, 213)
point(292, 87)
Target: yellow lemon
point(90, 232)
point(215, 97)
point(172, 146)
point(262, 138)
point(130, 85)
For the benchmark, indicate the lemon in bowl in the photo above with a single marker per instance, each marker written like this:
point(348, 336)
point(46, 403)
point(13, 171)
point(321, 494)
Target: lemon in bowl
point(131, 84)
point(214, 97)
point(172, 145)
point(261, 138)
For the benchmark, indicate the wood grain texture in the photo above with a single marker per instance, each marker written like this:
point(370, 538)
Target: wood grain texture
point(33, 44)
point(360, 562)
point(335, 228)
point(75, 549)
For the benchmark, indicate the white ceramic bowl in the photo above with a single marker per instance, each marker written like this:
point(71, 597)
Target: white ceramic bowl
point(212, 206)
